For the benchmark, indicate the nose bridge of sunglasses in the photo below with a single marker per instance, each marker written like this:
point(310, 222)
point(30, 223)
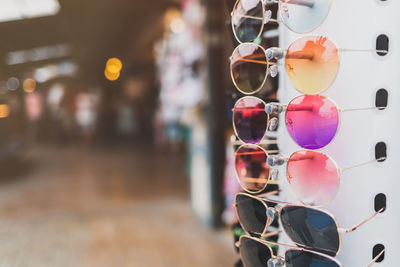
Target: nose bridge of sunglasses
point(272, 213)
point(276, 262)
point(274, 53)
point(276, 160)
point(274, 108)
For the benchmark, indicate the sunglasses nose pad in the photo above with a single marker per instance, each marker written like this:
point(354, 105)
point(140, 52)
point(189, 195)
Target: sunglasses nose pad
point(275, 262)
point(273, 108)
point(273, 124)
point(274, 175)
point(268, 15)
point(271, 214)
point(273, 71)
point(275, 160)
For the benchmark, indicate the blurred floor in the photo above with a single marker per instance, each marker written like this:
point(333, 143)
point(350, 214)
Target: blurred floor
point(102, 207)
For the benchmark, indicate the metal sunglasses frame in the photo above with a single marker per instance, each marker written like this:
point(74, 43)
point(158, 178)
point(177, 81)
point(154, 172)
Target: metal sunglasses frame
point(281, 260)
point(272, 173)
point(276, 160)
point(275, 212)
point(266, 15)
point(276, 53)
point(277, 108)
point(291, 248)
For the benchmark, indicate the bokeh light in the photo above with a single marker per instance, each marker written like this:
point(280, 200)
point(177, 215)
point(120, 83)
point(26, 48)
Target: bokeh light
point(171, 14)
point(177, 25)
point(111, 76)
point(12, 84)
point(114, 65)
point(29, 85)
point(4, 110)
point(113, 69)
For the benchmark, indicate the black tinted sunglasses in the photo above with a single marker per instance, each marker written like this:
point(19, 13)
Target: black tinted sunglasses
point(307, 227)
point(255, 252)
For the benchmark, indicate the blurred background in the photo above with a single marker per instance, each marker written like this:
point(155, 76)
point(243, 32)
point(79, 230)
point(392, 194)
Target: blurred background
point(116, 145)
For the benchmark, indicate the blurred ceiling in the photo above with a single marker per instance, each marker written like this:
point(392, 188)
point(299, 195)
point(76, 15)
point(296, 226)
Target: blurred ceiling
point(95, 31)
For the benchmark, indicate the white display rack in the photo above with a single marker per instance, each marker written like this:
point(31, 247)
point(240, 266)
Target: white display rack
point(355, 24)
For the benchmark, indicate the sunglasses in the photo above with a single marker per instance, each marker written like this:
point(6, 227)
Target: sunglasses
point(307, 227)
point(314, 177)
point(311, 63)
point(301, 16)
point(312, 121)
point(256, 252)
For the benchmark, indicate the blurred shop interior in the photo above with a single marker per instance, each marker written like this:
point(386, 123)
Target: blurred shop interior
point(116, 140)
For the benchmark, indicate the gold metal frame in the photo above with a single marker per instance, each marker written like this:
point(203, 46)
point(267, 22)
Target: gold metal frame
point(262, 25)
point(266, 72)
point(338, 169)
point(233, 118)
point(322, 21)
point(282, 20)
point(285, 57)
point(291, 248)
point(340, 230)
point(339, 110)
point(337, 129)
point(268, 182)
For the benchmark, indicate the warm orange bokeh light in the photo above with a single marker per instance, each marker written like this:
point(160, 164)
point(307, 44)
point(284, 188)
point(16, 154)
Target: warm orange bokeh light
point(113, 69)
point(114, 65)
point(171, 14)
point(4, 111)
point(29, 85)
point(111, 76)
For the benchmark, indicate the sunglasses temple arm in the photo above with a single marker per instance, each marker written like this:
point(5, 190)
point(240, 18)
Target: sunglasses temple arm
point(268, 142)
point(254, 61)
point(363, 50)
point(280, 244)
point(265, 142)
point(271, 235)
point(275, 192)
point(356, 109)
point(349, 230)
point(307, 3)
point(376, 258)
point(362, 164)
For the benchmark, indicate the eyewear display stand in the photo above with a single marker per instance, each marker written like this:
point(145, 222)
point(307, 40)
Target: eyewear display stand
point(364, 79)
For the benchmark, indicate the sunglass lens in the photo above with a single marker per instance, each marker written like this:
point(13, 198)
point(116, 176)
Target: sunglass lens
point(296, 258)
point(311, 228)
point(312, 121)
point(313, 177)
point(304, 16)
point(247, 20)
point(250, 120)
point(252, 168)
point(252, 214)
point(249, 67)
point(312, 63)
point(254, 253)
